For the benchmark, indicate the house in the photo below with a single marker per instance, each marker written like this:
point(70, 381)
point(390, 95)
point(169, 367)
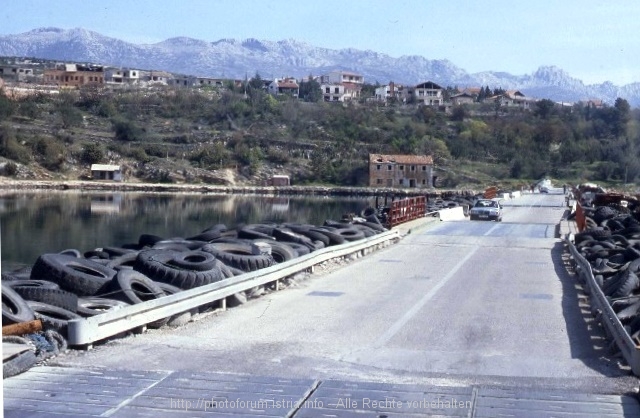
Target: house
point(284, 86)
point(341, 86)
point(122, 76)
point(207, 81)
point(106, 172)
point(513, 98)
point(332, 92)
point(414, 171)
point(157, 77)
point(279, 180)
point(75, 75)
point(462, 99)
point(339, 77)
point(592, 103)
point(392, 91)
point(16, 73)
point(429, 94)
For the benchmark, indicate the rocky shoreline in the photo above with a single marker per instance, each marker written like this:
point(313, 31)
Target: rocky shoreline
point(37, 185)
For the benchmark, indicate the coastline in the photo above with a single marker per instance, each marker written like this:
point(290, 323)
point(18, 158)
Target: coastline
point(104, 186)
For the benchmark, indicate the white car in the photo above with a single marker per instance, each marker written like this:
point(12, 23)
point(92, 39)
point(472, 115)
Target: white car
point(486, 210)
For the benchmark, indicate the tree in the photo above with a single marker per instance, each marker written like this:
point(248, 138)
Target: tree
point(92, 153)
point(126, 130)
point(544, 108)
point(310, 90)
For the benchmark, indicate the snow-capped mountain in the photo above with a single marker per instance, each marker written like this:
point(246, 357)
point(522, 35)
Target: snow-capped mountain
point(231, 58)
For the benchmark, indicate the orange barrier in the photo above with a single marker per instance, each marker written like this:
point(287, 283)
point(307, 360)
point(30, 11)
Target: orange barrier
point(406, 210)
point(581, 221)
point(490, 193)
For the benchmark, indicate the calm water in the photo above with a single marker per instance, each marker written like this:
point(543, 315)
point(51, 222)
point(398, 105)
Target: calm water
point(36, 223)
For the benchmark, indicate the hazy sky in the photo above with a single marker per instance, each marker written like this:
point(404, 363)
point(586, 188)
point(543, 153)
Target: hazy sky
point(592, 40)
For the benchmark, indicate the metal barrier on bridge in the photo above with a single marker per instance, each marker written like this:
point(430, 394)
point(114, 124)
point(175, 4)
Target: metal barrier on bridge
point(406, 210)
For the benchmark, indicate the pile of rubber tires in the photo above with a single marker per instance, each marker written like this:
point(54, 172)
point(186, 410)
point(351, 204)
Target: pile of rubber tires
point(611, 244)
point(63, 286)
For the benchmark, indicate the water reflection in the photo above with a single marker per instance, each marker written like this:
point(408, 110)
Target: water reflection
point(37, 223)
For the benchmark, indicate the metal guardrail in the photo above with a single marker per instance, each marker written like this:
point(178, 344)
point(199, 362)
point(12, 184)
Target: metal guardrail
point(609, 319)
point(86, 331)
point(406, 210)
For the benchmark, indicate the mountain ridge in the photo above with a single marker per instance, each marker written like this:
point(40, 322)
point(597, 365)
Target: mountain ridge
point(232, 58)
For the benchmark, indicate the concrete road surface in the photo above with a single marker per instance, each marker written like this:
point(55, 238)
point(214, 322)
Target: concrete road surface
point(453, 303)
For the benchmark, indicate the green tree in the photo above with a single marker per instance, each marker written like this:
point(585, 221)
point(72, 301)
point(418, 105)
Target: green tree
point(310, 90)
point(544, 108)
point(92, 153)
point(126, 130)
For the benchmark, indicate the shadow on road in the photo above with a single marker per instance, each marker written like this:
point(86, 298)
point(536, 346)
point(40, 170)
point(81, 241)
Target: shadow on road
point(586, 337)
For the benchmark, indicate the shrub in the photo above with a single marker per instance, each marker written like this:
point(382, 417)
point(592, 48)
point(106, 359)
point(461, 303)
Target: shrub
point(92, 153)
point(10, 169)
point(126, 130)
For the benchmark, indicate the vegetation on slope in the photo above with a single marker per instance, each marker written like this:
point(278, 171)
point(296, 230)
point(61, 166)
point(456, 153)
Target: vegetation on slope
point(191, 135)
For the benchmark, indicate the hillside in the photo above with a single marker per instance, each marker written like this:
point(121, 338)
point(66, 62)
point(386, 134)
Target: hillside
point(219, 136)
point(231, 58)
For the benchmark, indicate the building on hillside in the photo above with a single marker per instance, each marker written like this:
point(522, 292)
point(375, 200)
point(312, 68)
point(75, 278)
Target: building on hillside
point(592, 103)
point(404, 171)
point(341, 86)
point(14, 73)
point(462, 99)
point(392, 92)
point(284, 87)
point(122, 76)
point(339, 77)
point(106, 172)
point(429, 94)
point(279, 180)
point(513, 98)
point(75, 75)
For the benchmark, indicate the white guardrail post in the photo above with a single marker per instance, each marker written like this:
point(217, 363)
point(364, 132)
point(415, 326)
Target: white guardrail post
point(86, 331)
point(608, 316)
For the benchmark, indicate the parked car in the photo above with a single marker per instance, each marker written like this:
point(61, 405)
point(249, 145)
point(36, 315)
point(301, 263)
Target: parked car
point(486, 210)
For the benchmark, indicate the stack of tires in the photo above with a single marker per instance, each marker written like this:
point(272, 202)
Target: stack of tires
point(70, 285)
point(611, 244)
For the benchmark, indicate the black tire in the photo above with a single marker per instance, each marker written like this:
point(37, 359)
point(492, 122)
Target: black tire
point(170, 246)
point(53, 317)
point(629, 311)
point(168, 289)
point(156, 264)
point(334, 239)
point(124, 261)
point(628, 284)
point(115, 252)
point(286, 235)
point(18, 364)
point(313, 235)
point(255, 231)
point(375, 226)
point(76, 275)
point(134, 287)
point(56, 297)
point(239, 256)
point(350, 234)
point(206, 236)
point(14, 308)
point(72, 252)
point(148, 240)
point(103, 255)
point(194, 260)
point(300, 249)
point(92, 306)
point(190, 245)
point(44, 284)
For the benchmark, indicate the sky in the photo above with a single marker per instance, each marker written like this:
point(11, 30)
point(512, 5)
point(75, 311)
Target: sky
point(592, 40)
